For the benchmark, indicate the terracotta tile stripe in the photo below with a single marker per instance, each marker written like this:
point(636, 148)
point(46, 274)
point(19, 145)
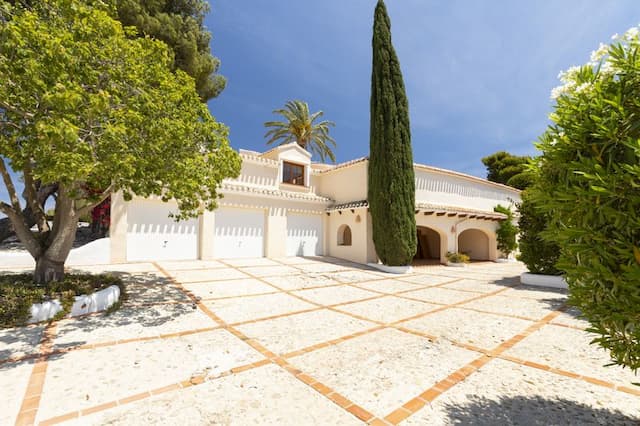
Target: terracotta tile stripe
point(60, 351)
point(328, 343)
point(410, 407)
point(193, 381)
point(571, 375)
point(31, 399)
point(462, 373)
point(324, 390)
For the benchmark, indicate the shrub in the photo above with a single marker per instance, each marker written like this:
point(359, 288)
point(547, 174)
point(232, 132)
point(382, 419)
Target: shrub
point(506, 232)
point(19, 292)
point(457, 257)
point(589, 186)
point(539, 255)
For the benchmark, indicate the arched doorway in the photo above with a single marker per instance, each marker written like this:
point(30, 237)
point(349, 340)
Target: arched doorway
point(474, 243)
point(429, 246)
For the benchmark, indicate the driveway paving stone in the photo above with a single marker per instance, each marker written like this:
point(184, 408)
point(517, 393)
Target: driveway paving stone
point(264, 396)
point(298, 331)
point(479, 329)
point(227, 342)
point(504, 393)
point(256, 307)
point(335, 295)
point(230, 288)
point(385, 369)
point(569, 349)
point(387, 309)
point(96, 376)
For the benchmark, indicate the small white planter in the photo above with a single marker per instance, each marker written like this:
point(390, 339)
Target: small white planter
point(503, 260)
point(553, 281)
point(392, 269)
point(457, 264)
point(84, 304)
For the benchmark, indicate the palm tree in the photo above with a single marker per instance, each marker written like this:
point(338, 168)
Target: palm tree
point(300, 127)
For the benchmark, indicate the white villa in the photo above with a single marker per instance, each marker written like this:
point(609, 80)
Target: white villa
point(282, 204)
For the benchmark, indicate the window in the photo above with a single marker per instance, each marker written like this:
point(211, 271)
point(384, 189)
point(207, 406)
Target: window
point(344, 236)
point(293, 173)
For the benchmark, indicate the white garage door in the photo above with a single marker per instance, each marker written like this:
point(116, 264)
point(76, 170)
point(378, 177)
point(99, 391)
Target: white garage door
point(153, 235)
point(304, 235)
point(238, 233)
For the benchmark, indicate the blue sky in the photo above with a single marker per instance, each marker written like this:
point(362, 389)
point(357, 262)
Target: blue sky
point(478, 73)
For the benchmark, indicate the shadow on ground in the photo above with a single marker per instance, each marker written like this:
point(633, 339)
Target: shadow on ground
point(534, 410)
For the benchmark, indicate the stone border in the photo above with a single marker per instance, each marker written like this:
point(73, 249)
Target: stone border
point(392, 269)
point(84, 304)
point(457, 264)
point(553, 281)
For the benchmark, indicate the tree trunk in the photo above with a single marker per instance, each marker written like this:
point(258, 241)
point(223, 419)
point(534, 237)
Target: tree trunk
point(48, 270)
point(44, 192)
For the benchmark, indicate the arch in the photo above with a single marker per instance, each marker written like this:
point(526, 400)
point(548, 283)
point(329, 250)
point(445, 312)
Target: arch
point(430, 244)
point(344, 235)
point(474, 243)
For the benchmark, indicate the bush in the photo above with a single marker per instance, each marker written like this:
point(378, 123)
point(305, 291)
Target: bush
point(589, 186)
point(19, 292)
point(506, 232)
point(539, 255)
point(457, 257)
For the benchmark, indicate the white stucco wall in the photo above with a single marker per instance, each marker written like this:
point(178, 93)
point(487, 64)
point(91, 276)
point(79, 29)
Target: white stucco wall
point(152, 235)
point(361, 249)
point(257, 174)
point(345, 184)
point(450, 228)
point(444, 189)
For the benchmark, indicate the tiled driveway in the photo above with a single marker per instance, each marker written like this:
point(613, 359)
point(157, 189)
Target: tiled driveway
point(302, 341)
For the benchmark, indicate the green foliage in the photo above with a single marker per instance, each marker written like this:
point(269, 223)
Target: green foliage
point(180, 24)
point(508, 169)
point(538, 254)
point(589, 187)
point(506, 232)
point(457, 257)
point(19, 292)
point(85, 106)
point(300, 126)
point(391, 175)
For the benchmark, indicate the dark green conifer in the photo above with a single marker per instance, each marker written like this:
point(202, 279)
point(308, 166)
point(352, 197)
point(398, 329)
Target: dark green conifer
point(391, 176)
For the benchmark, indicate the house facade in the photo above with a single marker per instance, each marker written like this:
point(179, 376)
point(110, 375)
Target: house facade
point(282, 204)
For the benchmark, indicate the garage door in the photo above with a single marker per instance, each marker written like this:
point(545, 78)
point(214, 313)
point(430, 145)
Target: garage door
point(238, 233)
point(153, 235)
point(304, 235)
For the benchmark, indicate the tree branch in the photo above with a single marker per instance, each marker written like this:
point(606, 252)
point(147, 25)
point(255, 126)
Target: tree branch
point(103, 196)
point(6, 177)
point(31, 195)
point(21, 229)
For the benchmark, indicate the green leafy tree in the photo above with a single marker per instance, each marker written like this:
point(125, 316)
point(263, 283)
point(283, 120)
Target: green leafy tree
point(506, 232)
point(177, 23)
point(86, 106)
point(300, 126)
point(180, 24)
point(589, 188)
point(538, 254)
point(508, 169)
point(391, 175)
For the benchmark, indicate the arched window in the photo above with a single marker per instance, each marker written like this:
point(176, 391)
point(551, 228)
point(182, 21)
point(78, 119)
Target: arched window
point(344, 236)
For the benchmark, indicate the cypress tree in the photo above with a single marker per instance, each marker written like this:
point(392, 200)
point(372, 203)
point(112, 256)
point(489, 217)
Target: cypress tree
point(391, 176)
